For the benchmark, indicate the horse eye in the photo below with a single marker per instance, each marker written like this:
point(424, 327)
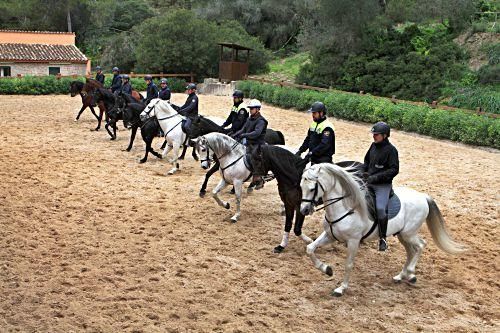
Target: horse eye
point(203, 149)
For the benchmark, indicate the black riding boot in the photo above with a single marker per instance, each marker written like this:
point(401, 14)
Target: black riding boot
point(382, 230)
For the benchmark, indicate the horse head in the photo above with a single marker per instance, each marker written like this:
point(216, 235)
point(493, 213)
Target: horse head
point(75, 87)
point(203, 149)
point(312, 189)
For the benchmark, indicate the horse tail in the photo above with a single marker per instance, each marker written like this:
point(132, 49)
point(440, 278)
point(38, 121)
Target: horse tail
point(282, 138)
point(435, 223)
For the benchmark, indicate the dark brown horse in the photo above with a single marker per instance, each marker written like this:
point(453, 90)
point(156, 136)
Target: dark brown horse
point(80, 88)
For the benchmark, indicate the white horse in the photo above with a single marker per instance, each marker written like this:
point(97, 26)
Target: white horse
point(230, 154)
point(346, 219)
point(171, 124)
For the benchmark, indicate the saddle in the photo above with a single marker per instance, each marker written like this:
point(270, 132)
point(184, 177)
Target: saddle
point(393, 207)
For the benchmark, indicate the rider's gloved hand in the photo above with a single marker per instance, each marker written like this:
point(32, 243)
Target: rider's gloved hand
point(298, 153)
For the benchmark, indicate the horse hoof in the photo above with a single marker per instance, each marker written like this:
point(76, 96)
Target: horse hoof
point(413, 280)
point(278, 249)
point(336, 293)
point(250, 190)
point(227, 205)
point(196, 158)
point(396, 280)
point(329, 271)
point(234, 220)
point(128, 149)
point(112, 139)
point(75, 120)
point(177, 165)
point(181, 158)
point(202, 194)
point(142, 161)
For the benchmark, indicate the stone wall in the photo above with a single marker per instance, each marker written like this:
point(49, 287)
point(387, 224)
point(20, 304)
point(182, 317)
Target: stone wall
point(43, 68)
point(214, 87)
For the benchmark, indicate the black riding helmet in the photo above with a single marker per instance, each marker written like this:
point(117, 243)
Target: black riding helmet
point(317, 107)
point(238, 94)
point(191, 86)
point(381, 128)
point(148, 77)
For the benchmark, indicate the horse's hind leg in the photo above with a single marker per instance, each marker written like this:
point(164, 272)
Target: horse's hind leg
point(183, 154)
point(323, 239)
point(174, 160)
point(352, 250)
point(414, 246)
point(238, 184)
point(215, 192)
point(195, 157)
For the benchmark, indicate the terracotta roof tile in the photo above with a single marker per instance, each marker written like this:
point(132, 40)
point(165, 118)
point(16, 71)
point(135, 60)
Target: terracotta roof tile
point(40, 52)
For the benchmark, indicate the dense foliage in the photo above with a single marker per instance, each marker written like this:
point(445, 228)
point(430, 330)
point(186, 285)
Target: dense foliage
point(413, 63)
point(43, 85)
point(454, 125)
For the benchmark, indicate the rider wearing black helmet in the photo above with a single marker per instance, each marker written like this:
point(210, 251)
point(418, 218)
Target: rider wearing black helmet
point(99, 75)
point(381, 165)
point(116, 83)
point(126, 87)
point(190, 108)
point(151, 90)
point(320, 139)
point(238, 115)
point(165, 91)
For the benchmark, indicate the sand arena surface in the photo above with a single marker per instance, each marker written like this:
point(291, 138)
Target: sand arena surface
point(92, 241)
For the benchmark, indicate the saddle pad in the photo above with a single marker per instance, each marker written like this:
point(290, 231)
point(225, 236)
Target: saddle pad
point(393, 208)
point(248, 162)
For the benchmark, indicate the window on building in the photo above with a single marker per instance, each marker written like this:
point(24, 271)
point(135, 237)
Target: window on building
point(4, 70)
point(54, 70)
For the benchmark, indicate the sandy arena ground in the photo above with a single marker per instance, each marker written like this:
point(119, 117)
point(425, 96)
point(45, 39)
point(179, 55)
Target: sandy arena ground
point(92, 241)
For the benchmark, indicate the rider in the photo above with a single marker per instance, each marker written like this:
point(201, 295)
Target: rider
point(190, 108)
point(381, 165)
point(126, 87)
point(116, 82)
point(252, 134)
point(99, 75)
point(320, 139)
point(165, 91)
point(238, 115)
point(151, 90)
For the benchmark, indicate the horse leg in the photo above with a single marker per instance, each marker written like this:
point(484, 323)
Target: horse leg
point(238, 184)
point(175, 164)
point(114, 130)
point(93, 112)
point(166, 150)
point(132, 138)
point(80, 112)
point(195, 157)
point(323, 239)
point(289, 212)
point(99, 119)
point(222, 184)
point(299, 222)
point(414, 246)
point(352, 250)
point(210, 172)
point(184, 148)
point(109, 132)
point(164, 144)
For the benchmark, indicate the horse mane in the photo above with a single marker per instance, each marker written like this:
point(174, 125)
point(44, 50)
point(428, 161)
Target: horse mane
point(93, 84)
point(219, 141)
point(286, 166)
point(106, 95)
point(349, 182)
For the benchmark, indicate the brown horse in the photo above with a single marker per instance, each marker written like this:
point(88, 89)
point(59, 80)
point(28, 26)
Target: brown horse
point(76, 88)
point(90, 87)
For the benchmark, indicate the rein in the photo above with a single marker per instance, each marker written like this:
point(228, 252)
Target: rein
point(226, 153)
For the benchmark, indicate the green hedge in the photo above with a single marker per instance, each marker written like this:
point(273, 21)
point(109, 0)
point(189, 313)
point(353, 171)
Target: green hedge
point(453, 125)
point(44, 85)
point(488, 98)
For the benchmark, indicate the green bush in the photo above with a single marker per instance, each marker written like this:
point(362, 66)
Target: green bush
point(44, 85)
point(488, 98)
point(453, 125)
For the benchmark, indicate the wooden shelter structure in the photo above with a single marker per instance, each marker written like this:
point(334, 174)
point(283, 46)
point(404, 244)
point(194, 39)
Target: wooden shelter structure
point(231, 66)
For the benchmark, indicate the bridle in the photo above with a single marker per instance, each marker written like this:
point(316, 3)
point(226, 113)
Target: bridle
point(208, 159)
point(326, 203)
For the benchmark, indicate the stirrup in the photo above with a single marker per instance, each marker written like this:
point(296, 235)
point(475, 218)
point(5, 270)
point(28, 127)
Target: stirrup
point(382, 244)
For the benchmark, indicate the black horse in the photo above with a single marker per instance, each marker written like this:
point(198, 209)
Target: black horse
point(122, 102)
point(287, 168)
point(108, 100)
point(202, 126)
point(79, 88)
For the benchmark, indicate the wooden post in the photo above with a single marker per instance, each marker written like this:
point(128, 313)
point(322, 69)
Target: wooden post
point(434, 104)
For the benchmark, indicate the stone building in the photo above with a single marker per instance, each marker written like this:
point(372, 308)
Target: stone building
point(40, 53)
